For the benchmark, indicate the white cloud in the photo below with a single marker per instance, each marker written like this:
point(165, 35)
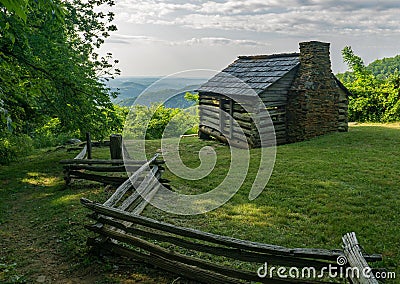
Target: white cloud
point(208, 41)
point(128, 39)
point(218, 41)
point(319, 17)
point(237, 7)
point(181, 34)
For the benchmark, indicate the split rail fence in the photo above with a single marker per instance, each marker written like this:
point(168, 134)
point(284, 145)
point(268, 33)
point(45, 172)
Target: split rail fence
point(107, 171)
point(188, 252)
point(122, 230)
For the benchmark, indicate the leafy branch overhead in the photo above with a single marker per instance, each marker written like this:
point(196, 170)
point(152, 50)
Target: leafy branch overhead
point(50, 68)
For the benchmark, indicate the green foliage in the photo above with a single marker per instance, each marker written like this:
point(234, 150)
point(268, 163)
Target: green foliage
point(384, 68)
point(50, 68)
point(373, 99)
point(52, 81)
point(19, 7)
point(354, 62)
point(14, 146)
point(192, 97)
point(381, 68)
point(150, 122)
point(50, 135)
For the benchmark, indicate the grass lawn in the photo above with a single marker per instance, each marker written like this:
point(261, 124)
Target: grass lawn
point(319, 190)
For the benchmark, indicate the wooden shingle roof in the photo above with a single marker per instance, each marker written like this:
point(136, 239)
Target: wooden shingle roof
point(258, 72)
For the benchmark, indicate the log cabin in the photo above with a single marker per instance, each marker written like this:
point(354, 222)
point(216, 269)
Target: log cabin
point(286, 97)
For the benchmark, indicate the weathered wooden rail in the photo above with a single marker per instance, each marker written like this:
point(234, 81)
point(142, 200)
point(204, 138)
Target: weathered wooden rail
point(123, 231)
point(354, 256)
point(83, 166)
point(77, 169)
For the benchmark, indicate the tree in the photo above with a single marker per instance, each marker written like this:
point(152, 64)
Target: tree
point(192, 97)
point(373, 99)
point(384, 68)
point(49, 67)
point(151, 122)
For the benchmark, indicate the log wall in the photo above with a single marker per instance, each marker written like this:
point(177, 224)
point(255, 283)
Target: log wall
point(215, 121)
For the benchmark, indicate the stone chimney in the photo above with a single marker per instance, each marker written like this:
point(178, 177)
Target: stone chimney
point(313, 99)
point(315, 64)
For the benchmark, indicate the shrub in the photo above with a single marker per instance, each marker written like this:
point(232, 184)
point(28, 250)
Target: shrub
point(14, 146)
point(151, 122)
point(49, 134)
point(373, 98)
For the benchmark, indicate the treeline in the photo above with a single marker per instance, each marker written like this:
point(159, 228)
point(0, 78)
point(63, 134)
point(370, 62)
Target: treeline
point(384, 68)
point(375, 88)
point(52, 81)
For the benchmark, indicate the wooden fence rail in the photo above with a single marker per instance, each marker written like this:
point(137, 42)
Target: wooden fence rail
point(355, 258)
point(123, 231)
point(83, 166)
point(82, 154)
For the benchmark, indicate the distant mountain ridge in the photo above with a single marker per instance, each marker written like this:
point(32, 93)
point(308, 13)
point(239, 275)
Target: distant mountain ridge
point(156, 90)
point(381, 68)
point(385, 66)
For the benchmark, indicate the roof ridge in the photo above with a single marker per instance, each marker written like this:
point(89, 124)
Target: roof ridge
point(268, 56)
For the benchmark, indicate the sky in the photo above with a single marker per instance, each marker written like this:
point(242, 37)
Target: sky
point(162, 37)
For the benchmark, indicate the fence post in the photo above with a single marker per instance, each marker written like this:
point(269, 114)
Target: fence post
point(88, 145)
point(116, 146)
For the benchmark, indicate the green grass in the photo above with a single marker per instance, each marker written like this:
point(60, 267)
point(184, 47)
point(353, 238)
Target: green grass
point(41, 226)
point(319, 190)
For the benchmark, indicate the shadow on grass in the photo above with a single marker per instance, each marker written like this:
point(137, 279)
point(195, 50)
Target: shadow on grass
point(42, 227)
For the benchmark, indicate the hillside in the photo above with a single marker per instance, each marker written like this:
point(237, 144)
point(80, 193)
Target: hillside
point(385, 66)
point(157, 90)
point(382, 68)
